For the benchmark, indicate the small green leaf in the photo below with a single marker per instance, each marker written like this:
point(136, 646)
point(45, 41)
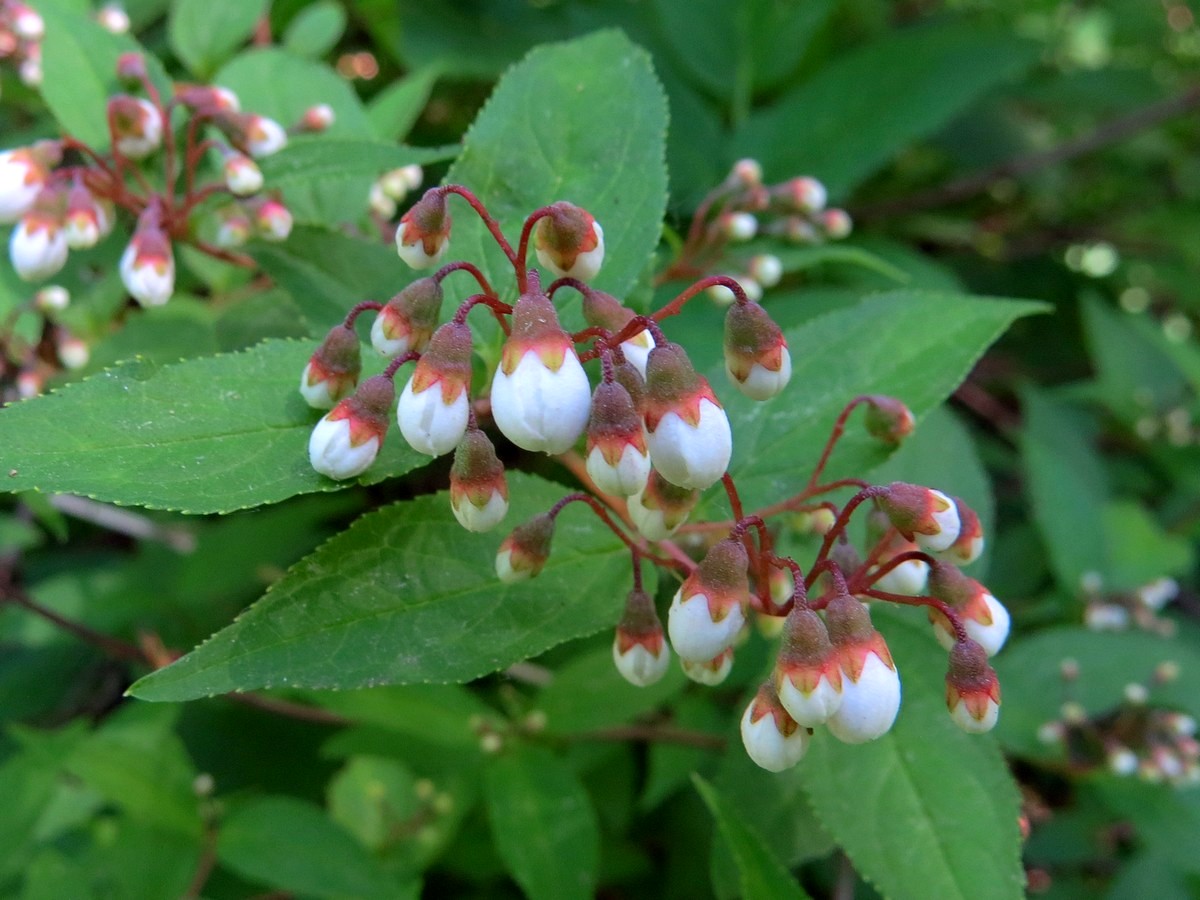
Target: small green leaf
point(1066, 487)
point(859, 112)
point(378, 604)
point(583, 121)
point(926, 810)
point(396, 108)
point(292, 845)
point(204, 33)
point(797, 259)
point(763, 876)
point(913, 345)
point(543, 824)
point(316, 29)
point(79, 66)
point(207, 435)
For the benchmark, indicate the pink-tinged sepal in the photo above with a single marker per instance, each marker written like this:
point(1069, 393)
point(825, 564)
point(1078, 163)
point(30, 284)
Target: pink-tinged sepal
point(569, 242)
point(333, 369)
point(136, 124)
point(23, 173)
point(870, 683)
point(478, 488)
point(38, 245)
point(347, 439)
point(772, 738)
point(968, 546)
point(318, 118)
point(435, 404)
point(640, 651)
point(406, 322)
point(923, 515)
point(423, 234)
point(688, 433)
point(243, 177)
point(540, 394)
point(616, 458)
point(601, 310)
point(273, 220)
point(805, 195)
point(985, 618)
point(888, 419)
point(86, 220)
point(260, 136)
point(211, 101)
point(709, 609)
point(659, 508)
point(808, 675)
point(523, 554)
point(836, 223)
point(972, 689)
point(710, 672)
point(25, 22)
point(148, 263)
point(756, 355)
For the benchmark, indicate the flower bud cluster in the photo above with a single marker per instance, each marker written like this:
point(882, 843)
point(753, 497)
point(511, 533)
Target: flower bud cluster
point(1140, 608)
point(21, 33)
point(58, 208)
point(1134, 738)
point(27, 364)
point(390, 189)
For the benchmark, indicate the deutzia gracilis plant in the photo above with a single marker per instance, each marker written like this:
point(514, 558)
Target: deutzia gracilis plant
point(620, 486)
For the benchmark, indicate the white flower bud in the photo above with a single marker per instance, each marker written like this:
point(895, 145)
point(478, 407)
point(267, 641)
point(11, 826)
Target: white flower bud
point(150, 280)
point(769, 747)
point(21, 179)
point(428, 423)
point(414, 253)
point(763, 383)
point(52, 298)
point(709, 672)
point(37, 249)
point(332, 453)
point(624, 479)
point(869, 703)
point(638, 665)
point(113, 18)
point(479, 519)
point(694, 634)
point(380, 203)
point(242, 176)
point(265, 136)
point(739, 226)
point(908, 578)
point(539, 408)
point(766, 269)
point(692, 456)
point(147, 136)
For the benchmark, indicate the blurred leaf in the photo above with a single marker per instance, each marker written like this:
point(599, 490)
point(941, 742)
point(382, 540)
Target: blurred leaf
point(378, 605)
point(204, 33)
point(589, 693)
point(669, 766)
point(1135, 373)
point(440, 713)
point(762, 875)
point(1165, 818)
point(947, 793)
point(316, 30)
point(543, 824)
point(737, 47)
point(269, 314)
point(1150, 874)
point(396, 108)
point(1140, 550)
point(1034, 690)
point(208, 435)
point(930, 343)
point(327, 272)
point(79, 72)
point(857, 113)
point(776, 805)
point(278, 84)
point(583, 121)
point(292, 845)
point(1065, 486)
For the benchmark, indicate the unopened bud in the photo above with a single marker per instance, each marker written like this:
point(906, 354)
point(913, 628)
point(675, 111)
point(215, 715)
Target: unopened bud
point(113, 18)
point(569, 242)
point(808, 676)
point(972, 689)
point(348, 438)
point(837, 224)
point(525, 551)
point(747, 173)
point(757, 360)
point(435, 405)
point(806, 195)
point(640, 651)
point(137, 126)
point(688, 433)
point(660, 508)
point(766, 269)
point(921, 514)
point(870, 684)
point(242, 176)
point(771, 737)
point(423, 234)
point(738, 226)
point(52, 298)
point(888, 419)
point(273, 221)
point(318, 118)
point(406, 322)
point(332, 370)
point(708, 610)
point(983, 616)
point(616, 456)
point(478, 488)
point(709, 672)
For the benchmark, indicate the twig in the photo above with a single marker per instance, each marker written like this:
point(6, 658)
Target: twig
point(1110, 132)
point(655, 734)
point(123, 521)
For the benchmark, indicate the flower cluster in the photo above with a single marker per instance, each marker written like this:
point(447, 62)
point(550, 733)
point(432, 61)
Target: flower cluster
point(654, 435)
point(1134, 738)
point(21, 33)
point(35, 344)
point(65, 195)
point(743, 207)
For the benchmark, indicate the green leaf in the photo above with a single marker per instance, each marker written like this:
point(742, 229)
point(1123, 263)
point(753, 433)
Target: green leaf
point(859, 112)
point(798, 259)
point(396, 109)
point(378, 605)
point(316, 29)
point(762, 875)
point(583, 121)
point(204, 33)
point(207, 435)
point(913, 345)
point(327, 272)
point(278, 84)
point(79, 66)
point(1065, 482)
point(292, 845)
point(543, 824)
point(1034, 690)
point(927, 810)
point(1140, 549)
point(734, 47)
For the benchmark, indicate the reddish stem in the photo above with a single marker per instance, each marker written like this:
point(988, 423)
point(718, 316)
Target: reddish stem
point(395, 364)
point(951, 614)
point(839, 428)
point(360, 308)
point(688, 293)
point(523, 247)
point(492, 225)
point(229, 256)
point(839, 526)
point(464, 266)
point(599, 510)
point(498, 307)
point(896, 561)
